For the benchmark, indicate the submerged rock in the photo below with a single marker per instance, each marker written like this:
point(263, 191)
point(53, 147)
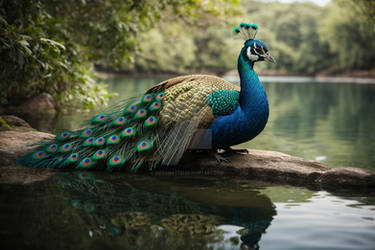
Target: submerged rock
point(263, 165)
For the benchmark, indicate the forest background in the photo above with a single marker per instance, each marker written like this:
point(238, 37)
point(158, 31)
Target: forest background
point(57, 46)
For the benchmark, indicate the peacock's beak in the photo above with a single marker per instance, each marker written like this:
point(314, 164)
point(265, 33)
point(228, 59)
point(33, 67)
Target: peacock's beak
point(270, 58)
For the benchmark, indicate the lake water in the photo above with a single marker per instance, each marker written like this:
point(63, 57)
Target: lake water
point(332, 123)
point(93, 210)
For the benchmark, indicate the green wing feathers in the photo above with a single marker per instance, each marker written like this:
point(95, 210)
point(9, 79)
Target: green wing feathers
point(187, 98)
point(223, 101)
point(154, 130)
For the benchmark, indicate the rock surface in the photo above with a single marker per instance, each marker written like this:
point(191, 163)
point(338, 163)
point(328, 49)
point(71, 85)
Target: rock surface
point(263, 165)
point(276, 167)
point(13, 144)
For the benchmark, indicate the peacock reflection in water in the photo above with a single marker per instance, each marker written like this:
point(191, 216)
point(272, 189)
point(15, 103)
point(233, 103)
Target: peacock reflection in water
point(134, 217)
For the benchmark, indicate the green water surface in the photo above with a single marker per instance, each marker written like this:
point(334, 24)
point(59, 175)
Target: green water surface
point(98, 210)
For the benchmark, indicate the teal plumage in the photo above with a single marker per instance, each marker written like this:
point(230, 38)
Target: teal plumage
point(223, 102)
point(157, 128)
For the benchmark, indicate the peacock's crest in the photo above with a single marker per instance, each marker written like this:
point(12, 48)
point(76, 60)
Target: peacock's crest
point(246, 31)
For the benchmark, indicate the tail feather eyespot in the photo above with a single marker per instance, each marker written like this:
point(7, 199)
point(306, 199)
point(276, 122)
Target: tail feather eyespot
point(99, 142)
point(141, 113)
point(100, 118)
point(150, 121)
point(147, 98)
point(63, 135)
point(86, 163)
point(72, 158)
point(86, 133)
point(100, 154)
point(66, 147)
point(160, 96)
point(115, 161)
point(113, 139)
point(131, 109)
point(39, 155)
point(51, 148)
point(89, 141)
point(119, 121)
point(128, 132)
point(155, 106)
point(144, 146)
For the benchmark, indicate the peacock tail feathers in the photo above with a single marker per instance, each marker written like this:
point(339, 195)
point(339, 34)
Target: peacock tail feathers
point(155, 129)
point(125, 133)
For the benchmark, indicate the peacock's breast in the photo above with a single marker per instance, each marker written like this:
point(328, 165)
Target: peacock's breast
point(239, 127)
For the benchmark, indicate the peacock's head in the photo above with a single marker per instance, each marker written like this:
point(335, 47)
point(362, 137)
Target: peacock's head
point(253, 50)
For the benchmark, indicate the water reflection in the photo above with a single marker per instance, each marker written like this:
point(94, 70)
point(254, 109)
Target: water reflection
point(95, 210)
point(144, 219)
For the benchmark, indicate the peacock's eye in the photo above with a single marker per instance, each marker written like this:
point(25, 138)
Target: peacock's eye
point(259, 50)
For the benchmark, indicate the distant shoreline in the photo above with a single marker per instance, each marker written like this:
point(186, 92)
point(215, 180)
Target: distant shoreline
point(266, 76)
point(358, 77)
point(302, 79)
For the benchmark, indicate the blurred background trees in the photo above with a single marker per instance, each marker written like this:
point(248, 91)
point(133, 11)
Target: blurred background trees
point(304, 37)
point(348, 27)
point(51, 45)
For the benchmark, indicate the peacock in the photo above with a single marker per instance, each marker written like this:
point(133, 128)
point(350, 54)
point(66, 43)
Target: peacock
point(192, 112)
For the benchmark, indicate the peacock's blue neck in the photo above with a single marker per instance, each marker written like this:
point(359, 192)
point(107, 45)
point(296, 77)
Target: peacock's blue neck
point(252, 95)
point(250, 117)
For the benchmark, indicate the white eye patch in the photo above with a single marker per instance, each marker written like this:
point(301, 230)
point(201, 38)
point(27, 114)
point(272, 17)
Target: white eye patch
point(251, 56)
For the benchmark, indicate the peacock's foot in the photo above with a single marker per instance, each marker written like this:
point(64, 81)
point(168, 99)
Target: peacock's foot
point(220, 158)
point(217, 153)
point(230, 150)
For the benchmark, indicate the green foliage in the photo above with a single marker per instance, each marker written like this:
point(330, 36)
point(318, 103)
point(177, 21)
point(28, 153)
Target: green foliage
point(181, 45)
point(349, 30)
point(303, 37)
point(169, 49)
point(180, 48)
point(217, 50)
point(294, 38)
point(39, 56)
point(50, 45)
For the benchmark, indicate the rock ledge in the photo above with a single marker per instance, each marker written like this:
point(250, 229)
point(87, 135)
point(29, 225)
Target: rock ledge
point(263, 165)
